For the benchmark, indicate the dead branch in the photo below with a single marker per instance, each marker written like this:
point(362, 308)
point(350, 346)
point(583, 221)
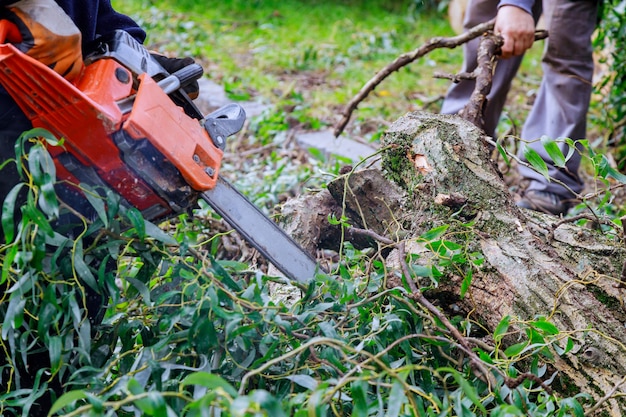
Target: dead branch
point(406, 59)
point(489, 48)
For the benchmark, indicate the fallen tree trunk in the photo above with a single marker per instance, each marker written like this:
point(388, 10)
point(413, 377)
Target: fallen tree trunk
point(534, 265)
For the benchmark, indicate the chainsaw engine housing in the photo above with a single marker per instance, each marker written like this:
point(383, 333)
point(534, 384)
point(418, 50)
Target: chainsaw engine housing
point(122, 127)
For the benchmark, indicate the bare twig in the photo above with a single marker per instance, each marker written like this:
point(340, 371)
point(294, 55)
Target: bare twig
point(586, 216)
point(455, 78)
point(516, 382)
point(622, 283)
point(488, 51)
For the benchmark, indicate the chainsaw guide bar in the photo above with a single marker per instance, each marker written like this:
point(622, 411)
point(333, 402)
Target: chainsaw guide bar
point(260, 231)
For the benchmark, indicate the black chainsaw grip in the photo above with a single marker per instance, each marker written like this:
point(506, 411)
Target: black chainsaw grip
point(188, 74)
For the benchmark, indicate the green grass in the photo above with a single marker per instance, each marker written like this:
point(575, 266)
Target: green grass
point(323, 51)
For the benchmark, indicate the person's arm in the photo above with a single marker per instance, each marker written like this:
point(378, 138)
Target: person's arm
point(109, 19)
point(516, 25)
point(97, 17)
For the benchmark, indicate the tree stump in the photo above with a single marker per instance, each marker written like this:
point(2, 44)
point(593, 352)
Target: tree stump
point(534, 264)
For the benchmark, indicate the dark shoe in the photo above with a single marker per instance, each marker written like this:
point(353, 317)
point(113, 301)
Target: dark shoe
point(544, 202)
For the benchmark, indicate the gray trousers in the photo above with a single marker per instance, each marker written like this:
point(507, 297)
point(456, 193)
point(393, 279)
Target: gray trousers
point(562, 102)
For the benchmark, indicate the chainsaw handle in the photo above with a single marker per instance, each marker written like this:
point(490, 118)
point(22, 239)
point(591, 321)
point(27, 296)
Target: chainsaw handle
point(189, 73)
point(9, 32)
point(181, 78)
point(168, 84)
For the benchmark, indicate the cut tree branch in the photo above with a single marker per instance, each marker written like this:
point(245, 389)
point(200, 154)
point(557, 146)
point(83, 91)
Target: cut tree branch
point(406, 59)
point(490, 46)
point(429, 46)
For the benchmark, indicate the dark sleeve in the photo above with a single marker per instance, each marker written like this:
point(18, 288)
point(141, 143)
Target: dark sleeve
point(97, 17)
point(109, 19)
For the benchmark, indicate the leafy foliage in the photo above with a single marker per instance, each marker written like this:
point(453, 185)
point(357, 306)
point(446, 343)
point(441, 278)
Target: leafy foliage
point(186, 334)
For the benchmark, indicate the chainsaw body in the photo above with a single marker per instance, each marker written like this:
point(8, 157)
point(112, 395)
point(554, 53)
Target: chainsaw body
point(127, 124)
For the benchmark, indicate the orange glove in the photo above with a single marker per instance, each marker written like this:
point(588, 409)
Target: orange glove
point(47, 35)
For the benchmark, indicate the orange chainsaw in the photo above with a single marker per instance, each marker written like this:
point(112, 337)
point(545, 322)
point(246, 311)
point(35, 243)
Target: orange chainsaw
point(129, 126)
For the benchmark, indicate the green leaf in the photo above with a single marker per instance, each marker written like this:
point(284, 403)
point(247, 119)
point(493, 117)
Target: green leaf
point(67, 399)
point(305, 381)
point(359, 397)
point(135, 387)
point(503, 154)
point(435, 233)
point(608, 171)
point(35, 163)
point(48, 201)
point(8, 213)
point(14, 315)
point(484, 356)
point(81, 268)
point(32, 214)
point(210, 381)
point(9, 257)
point(269, 404)
point(515, 349)
point(397, 398)
point(421, 270)
point(154, 232)
point(553, 151)
point(536, 161)
point(328, 329)
point(534, 336)
point(224, 276)
point(547, 327)
point(141, 288)
point(45, 134)
point(138, 222)
point(467, 283)
point(572, 404)
point(97, 202)
point(467, 388)
point(501, 328)
point(152, 405)
point(55, 346)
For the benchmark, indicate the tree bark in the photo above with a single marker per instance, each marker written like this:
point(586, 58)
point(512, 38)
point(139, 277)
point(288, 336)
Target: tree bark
point(534, 265)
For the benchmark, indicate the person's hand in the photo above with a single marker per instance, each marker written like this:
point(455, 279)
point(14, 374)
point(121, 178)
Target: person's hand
point(47, 35)
point(172, 65)
point(517, 28)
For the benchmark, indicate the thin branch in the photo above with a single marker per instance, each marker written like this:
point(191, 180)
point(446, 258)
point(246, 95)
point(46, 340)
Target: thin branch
point(516, 382)
point(455, 78)
point(586, 216)
point(489, 49)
